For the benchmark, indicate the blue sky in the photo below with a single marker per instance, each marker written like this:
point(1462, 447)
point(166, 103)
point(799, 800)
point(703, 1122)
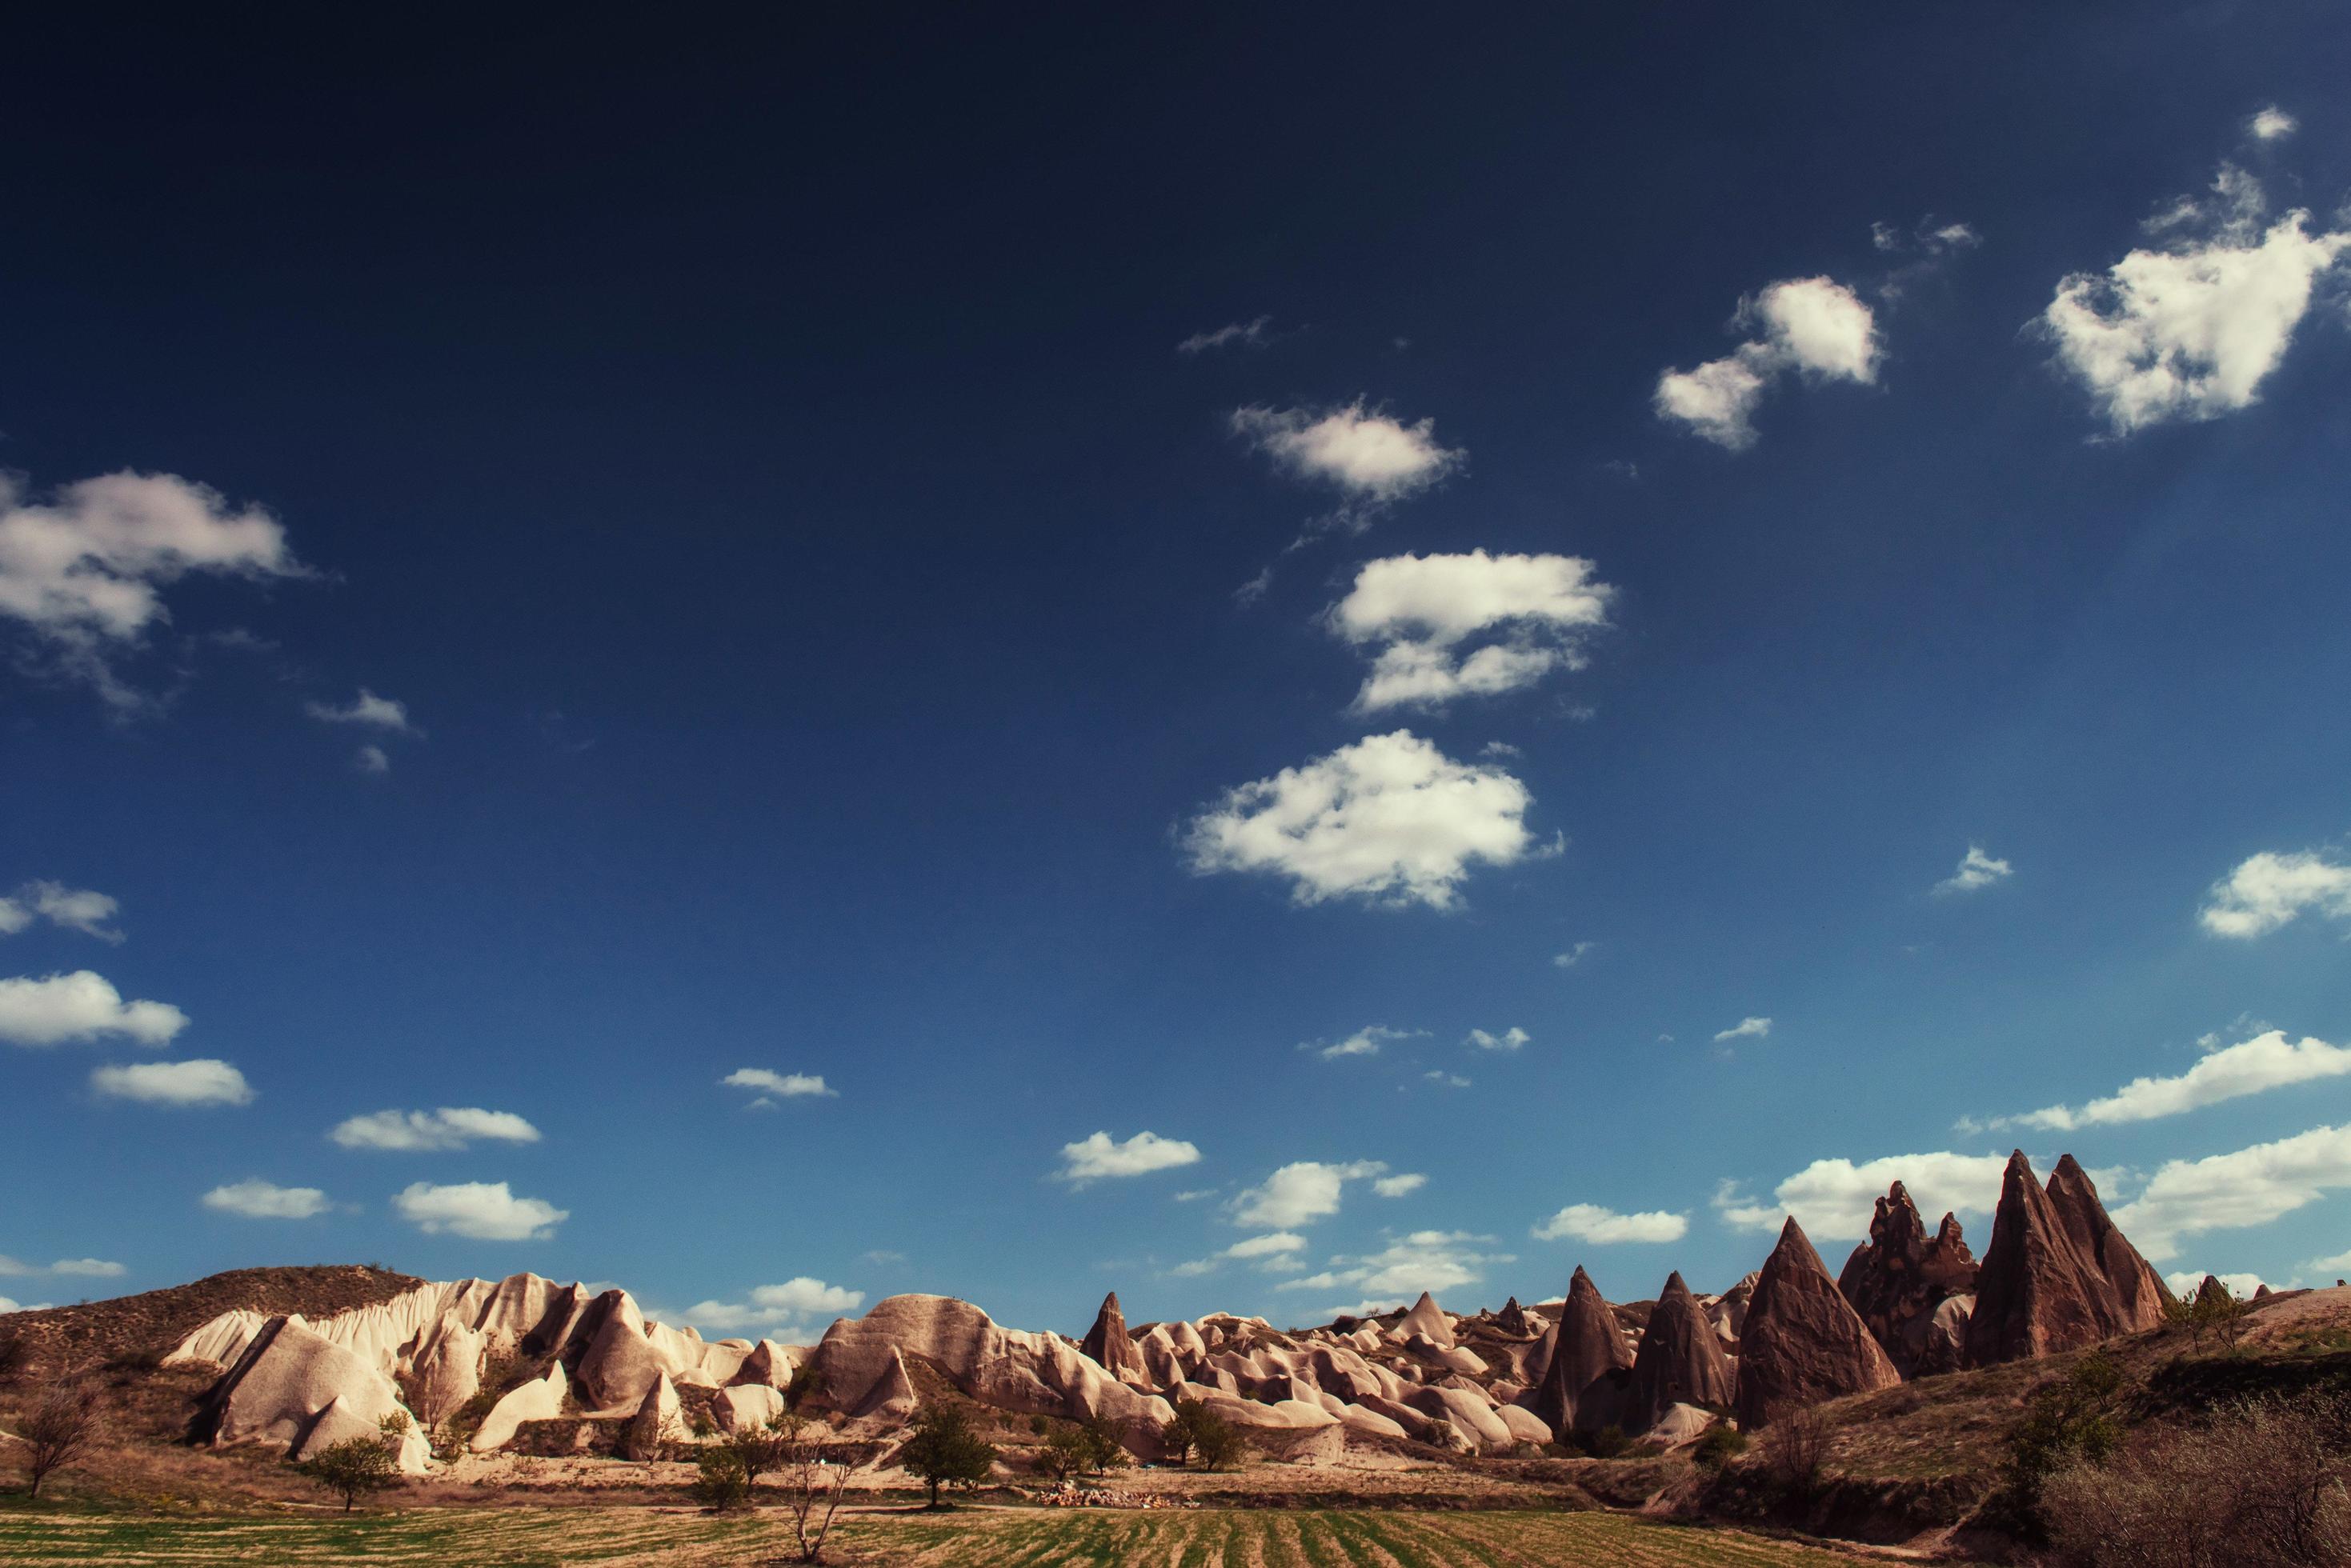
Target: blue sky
point(1370, 602)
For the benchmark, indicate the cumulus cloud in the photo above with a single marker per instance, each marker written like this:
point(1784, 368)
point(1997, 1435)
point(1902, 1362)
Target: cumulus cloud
point(1369, 457)
point(1399, 1185)
point(88, 1268)
point(1834, 1200)
point(789, 1086)
point(2272, 124)
point(1390, 819)
point(1508, 1039)
point(2269, 891)
point(481, 1210)
point(258, 1200)
point(1602, 1227)
point(1098, 1156)
point(366, 709)
point(1363, 1041)
point(1232, 334)
point(2190, 330)
point(75, 908)
point(1433, 1261)
point(2186, 1282)
point(1445, 626)
point(198, 1082)
point(84, 574)
point(1813, 327)
point(451, 1126)
point(1977, 869)
point(1298, 1193)
point(2267, 1061)
point(1745, 1029)
point(2230, 1191)
point(770, 1307)
point(81, 1006)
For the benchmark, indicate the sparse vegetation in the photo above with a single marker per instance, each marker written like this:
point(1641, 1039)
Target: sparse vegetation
point(1065, 1453)
point(1796, 1448)
point(359, 1465)
point(945, 1451)
point(1199, 1433)
point(16, 1356)
point(2069, 1420)
point(1104, 1450)
point(56, 1429)
point(1607, 1443)
point(1720, 1444)
point(813, 1485)
point(719, 1483)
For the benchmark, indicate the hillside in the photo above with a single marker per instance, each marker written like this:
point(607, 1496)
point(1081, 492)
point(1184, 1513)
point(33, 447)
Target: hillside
point(68, 1337)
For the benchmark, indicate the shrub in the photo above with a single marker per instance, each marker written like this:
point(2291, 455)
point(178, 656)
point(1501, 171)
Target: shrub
point(945, 1451)
point(1104, 1449)
point(1720, 1444)
point(1065, 1453)
point(1795, 1448)
point(1199, 1433)
point(55, 1430)
point(1607, 1443)
point(719, 1483)
point(353, 1466)
point(16, 1356)
point(2068, 1420)
point(2261, 1485)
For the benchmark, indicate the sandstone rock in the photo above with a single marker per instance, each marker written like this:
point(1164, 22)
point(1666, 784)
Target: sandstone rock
point(1680, 1360)
point(1577, 1392)
point(1426, 1318)
point(2136, 1293)
point(1472, 1416)
point(746, 1406)
point(541, 1399)
point(1513, 1320)
point(1108, 1343)
point(2039, 1291)
point(1728, 1312)
point(1525, 1426)
point(891, 1402)
point(658, 1421)
point(1360, 1418)
point(447, 1374)
point(292, 1385)
point(1898, 1279)
point(1801, 1342)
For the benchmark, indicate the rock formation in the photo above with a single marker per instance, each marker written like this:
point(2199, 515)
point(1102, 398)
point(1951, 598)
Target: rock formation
point(2057, 1275)
point(1900, 1280)
point(1108, 1343)
point(1513, 1319)
point(1680, 1361)
point(1801, 1342)
point(1428, 1320)
point(1581, 1382)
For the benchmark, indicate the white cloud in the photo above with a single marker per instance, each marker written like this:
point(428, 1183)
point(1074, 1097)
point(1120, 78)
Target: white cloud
point(81, 1006)
point(2188, 1281)
point(1573, 956)
point(259, 1199)
point(2229, 1191)
point(2267, 1061)
point(1298, 1193)
point(1278, 1243)
point(1977, 869)
point(451, 1126)
point(1509, 1038)
point(2191, 331)
point(372, 760)
point(1432, 1261)
point(482, 1210)
point(85, 572)
point(1389, 819)
point(2273, 124)
point(1367, 455)
point(1812, 327)
point(1233, 333)
point(367, 709)
point(1097, 1156)
point(10, 1305)
point(1450, 1080)
point(1400, 1186)
point(1745, 1029)
point(1834, 1200)
point(201, 1081)
point(772, 1305)
point(791, 1085)
point(1602, 1227)
point(76, 909)
point(1363, 1041)
point(1420, 611)
point(2269, 891)
point(89, 1268)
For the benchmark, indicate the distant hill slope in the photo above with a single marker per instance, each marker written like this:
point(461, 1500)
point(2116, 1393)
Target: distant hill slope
point(153, 1321)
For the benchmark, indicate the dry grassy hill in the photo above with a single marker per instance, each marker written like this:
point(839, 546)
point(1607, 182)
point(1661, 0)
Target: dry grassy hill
point(93, 1333)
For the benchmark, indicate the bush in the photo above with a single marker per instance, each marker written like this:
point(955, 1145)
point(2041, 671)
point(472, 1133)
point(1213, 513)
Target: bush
point(719, 1483)
point(945, 1451)
point(1607, 1443)
point(1066, 1453)
point(2067, 1421)
point(353, 1466)
point(1795, 1448)
point(2261, 1485)
point(1720, 1444)
point(16, 1356)
point(55, 1430)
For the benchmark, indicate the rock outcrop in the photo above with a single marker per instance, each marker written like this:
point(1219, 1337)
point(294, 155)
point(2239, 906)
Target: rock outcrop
point(1583, 1375)
point(1109, 1344)
point(2058, 1274)
point(1899, 1281)
point(2136, 1296)
point(1428, 1320)
point(1514, 1319)
point(1801, 1342)
point(1680, 1361)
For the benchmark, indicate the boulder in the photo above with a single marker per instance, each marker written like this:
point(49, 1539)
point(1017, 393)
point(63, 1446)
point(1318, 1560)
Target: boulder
point(1370, 1422)
point(657, 1421)
point(1801, 1342)
point(1680, 1361)
point(1579, 1391)
point(1108, 1343)
point(1899, 1279)
point(745, 1408)
point(541, 1399)
point(2038, 1292)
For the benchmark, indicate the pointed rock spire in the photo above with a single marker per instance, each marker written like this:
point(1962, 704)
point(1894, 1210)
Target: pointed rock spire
point(1426, 1317)
point(1899, 1281)
point(2136, 1293)
point(1110, 1345)
point(1513, 1318)
point(1802, 1342)
point(1578, 1392)
point(1680, 1361)
point(2038, 1293)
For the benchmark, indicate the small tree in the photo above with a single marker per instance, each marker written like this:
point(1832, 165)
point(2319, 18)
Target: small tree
point(1183, 1431)
point(945, 1451)
point(16, 1356)
point(1217, 1443)
point(351, 1467)
point(1795, 1447)
point(1104, 1448)
point(57, 1429)
point(761, 1451)
point(719, 1483)
point(1065, 1453)
point(812, 1487)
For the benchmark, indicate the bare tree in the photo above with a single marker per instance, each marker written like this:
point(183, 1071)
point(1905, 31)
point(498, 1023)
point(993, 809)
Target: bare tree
point(812, 1487)
point(57, 1429)
point(1795, 1447)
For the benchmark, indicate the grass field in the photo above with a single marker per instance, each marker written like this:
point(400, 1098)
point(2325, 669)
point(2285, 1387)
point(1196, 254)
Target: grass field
point(527, 1537)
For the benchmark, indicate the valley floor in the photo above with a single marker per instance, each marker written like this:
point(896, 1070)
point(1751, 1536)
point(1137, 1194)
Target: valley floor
point(977, 1536)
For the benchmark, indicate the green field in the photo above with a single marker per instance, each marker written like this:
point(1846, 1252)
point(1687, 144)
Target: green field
point(527, 1537)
